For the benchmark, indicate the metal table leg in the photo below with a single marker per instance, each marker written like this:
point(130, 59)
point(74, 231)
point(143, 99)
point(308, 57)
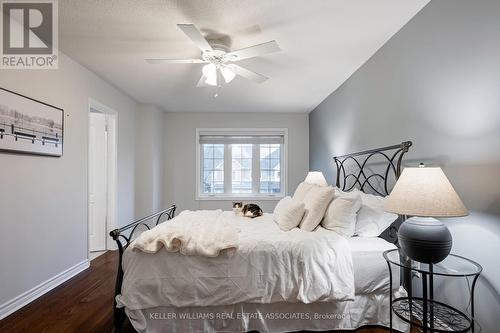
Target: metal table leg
point(431, 293)
point(424, 302)
point(472, 303)
point(390, 296)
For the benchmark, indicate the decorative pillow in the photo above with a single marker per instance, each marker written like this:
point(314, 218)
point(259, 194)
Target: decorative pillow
point(288, 213)
point(341, 214)
point(372, 219)
point(316, 201)
point(301, 191)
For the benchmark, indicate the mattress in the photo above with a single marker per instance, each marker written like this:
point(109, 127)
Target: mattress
point(371, 273)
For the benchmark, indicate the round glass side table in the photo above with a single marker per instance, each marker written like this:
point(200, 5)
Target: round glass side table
point(425, 312)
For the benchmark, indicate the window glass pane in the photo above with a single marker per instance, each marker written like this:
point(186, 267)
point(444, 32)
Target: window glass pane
point(241, 169)
point(270, 168)
point(236, 150)
point(264, 151)
point(218, 151)
point(219, 177)
point(246, 175)
point(218, 164)
point(208, 164)
point(246, 163)
point(208, 151)
point(246, 151)
point(274, 151)
point(275, 164)
point(208, 182)
point(265, 163)
point(213, 168)
point(207, 176)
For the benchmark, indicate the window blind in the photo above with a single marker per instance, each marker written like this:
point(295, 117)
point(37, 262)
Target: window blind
point(238, 139)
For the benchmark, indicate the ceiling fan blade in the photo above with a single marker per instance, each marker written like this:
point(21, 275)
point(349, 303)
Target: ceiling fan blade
point(247, 74)
point(175, 61)
point(253, 51)
point(202, 82)
point(196, 36)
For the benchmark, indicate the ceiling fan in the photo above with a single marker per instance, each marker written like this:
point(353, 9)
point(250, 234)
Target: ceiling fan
point(219, 59)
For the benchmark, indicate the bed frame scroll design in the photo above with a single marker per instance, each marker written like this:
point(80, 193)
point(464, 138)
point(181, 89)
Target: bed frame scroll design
point(360, 176)
point(361, 160)
point(123, 241)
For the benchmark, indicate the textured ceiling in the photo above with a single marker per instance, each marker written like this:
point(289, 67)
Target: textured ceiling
point(323, 42)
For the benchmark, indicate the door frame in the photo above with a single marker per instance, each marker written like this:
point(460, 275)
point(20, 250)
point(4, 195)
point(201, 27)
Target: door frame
point(112, 170)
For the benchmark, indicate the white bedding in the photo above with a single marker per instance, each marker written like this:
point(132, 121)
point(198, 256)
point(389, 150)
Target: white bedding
point(366, 309)
point(370, 268)
point(269, 266)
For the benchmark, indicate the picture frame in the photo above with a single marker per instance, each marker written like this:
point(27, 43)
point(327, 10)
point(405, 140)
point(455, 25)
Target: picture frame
point(30, 126)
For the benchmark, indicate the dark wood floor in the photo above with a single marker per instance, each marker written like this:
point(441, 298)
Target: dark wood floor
point(82, 304)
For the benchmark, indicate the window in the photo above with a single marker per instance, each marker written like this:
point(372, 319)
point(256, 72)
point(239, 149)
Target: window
point(213, 168)
point(241, 163)
point(270, 168)
point(241, 168)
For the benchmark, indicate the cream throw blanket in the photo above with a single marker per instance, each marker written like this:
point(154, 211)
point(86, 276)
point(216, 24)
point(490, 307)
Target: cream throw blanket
point(192, 233)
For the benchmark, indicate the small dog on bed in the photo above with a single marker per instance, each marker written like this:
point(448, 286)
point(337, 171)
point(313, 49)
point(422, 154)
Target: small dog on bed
point(251, 210)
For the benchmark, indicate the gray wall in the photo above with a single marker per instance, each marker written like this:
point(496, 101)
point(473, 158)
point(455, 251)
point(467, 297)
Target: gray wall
point(180, 154)
point(149, 171)
point(436, 82)
point(43, 201)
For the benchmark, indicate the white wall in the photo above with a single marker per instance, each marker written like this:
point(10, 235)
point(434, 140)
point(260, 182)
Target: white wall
point(43, 201)
point(180, 153)
point(150, 160)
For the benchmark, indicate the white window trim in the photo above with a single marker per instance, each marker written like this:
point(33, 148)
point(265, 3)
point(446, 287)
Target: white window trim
point(230, 197)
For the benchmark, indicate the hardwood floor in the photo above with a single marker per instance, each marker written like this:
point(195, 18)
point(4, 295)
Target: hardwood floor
point(83, 304)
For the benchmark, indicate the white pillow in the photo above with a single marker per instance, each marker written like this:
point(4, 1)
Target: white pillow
point(288, 213)
point(341, 214)
point(301, 191)
point(372, 219)
point(316, 201)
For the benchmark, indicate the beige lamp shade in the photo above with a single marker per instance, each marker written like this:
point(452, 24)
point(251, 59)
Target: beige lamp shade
point(425, 192)
point(316, 178)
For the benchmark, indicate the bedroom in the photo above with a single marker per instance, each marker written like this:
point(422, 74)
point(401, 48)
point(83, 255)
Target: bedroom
point(334, 78)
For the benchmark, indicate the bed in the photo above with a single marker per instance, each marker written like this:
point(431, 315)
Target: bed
point(277, 281)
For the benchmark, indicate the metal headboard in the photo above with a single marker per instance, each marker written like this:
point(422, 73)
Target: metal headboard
point(362, 177)
point(355, 171)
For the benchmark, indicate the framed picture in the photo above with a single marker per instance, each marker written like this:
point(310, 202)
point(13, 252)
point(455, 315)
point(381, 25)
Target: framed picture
point(30, 126)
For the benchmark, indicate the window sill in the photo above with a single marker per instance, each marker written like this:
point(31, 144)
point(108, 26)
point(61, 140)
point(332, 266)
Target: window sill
point(242, 198)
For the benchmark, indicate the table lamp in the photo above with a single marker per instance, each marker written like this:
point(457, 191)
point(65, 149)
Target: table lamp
point(425, 194)
point(316, 177)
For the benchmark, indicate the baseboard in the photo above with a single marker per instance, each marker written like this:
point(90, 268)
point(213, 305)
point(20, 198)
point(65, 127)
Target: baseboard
point(25, 298)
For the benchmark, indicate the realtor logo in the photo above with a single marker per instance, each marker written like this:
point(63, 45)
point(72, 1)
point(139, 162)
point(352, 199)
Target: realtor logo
point(29, 34)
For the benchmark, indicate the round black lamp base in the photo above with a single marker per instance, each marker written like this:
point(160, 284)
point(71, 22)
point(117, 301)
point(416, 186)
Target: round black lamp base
point(424, 239)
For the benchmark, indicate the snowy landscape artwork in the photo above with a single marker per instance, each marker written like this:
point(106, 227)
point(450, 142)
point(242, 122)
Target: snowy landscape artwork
point(30, 126)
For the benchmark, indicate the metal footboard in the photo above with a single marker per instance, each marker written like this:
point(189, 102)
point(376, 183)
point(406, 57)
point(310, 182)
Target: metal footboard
point(123, 237)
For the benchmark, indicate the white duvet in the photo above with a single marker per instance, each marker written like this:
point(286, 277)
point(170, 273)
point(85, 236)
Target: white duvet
point(269, 265)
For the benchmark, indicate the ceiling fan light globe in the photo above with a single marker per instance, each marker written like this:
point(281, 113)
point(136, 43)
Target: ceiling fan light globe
point(211, 81)
point(227, 74)
point(210, 72)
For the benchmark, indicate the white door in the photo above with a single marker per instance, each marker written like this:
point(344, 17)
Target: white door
point(97, 182)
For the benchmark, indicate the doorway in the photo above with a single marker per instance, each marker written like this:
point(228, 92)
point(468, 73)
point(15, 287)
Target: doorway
point(102, 171)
